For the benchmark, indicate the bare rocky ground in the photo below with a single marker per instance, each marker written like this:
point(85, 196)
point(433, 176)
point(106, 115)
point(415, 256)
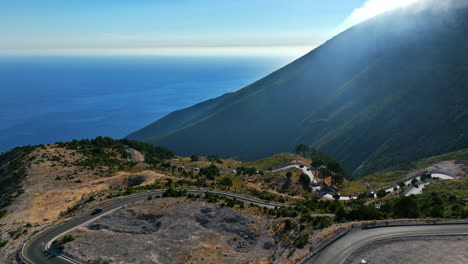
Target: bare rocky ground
point(452, 168)
point(427, 250)
point(51, 186)
point(174, 230)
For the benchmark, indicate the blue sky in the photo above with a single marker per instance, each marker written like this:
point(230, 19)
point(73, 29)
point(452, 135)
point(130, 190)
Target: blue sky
point(176, 26)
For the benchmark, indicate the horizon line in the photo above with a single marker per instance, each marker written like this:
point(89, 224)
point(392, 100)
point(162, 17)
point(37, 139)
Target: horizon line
point(293, 50)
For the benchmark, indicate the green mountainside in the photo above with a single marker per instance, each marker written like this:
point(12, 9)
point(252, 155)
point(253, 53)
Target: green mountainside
point(388, 91)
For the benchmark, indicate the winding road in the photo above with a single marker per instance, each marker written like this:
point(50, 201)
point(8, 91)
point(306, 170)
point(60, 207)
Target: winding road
point(35, 251)
point(313, 181)
point(340, 250)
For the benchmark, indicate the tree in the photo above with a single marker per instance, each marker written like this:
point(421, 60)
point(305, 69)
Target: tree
point(304, 180)
point(337, 179)
point(317, 162)
point(340, 213)
point(334, 166)
point(194, 158)
point(302, 148)
point(324, 173)
point(406, 207)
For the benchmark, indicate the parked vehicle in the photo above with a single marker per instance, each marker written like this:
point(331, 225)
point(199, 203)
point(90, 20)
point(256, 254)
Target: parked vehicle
point(96, 211)
point(336, 196)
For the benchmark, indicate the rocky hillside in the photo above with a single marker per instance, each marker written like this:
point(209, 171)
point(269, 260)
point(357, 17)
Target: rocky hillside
point(388, 91)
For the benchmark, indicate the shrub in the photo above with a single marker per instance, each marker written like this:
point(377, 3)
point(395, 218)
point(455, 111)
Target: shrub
point(3, 243)
point(67, 238)
point(381, 193)
point(226, 181)
point(209, 172)
point(301, 240)
point(194, 158)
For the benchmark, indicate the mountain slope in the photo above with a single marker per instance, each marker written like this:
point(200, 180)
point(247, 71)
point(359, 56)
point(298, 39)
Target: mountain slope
point(387, 91)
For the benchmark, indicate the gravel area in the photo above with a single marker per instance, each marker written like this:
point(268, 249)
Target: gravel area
point(427, 250)
point(173, 230)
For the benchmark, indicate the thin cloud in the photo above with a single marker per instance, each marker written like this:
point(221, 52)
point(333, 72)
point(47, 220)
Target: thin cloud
point(372, 8)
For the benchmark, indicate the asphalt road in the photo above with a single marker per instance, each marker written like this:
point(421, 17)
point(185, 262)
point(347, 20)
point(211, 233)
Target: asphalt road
point(34, 251)
point(340, 250)
point(313, 180)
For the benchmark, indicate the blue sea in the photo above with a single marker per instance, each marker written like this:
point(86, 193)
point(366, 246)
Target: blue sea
point(48, 99)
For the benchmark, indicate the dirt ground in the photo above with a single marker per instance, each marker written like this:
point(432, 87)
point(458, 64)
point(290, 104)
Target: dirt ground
point(452, 168)
point(174, 230)
point(50, 188)
point(427, 250)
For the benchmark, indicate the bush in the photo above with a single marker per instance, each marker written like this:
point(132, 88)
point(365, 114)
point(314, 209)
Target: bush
point(209, 172)
point(67, 238)
point(381, 193)
point(3, 243)
point(246, 170)
point(174, 193)
point(194, 158)
point(406, 207)
point(301, 240)
point(304, 180)
point(226, 181)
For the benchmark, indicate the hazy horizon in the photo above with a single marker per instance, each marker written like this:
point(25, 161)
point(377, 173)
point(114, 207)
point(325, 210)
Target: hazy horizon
point(183, 28)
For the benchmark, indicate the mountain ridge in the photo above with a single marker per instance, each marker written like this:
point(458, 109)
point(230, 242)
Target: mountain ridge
point(362, 97)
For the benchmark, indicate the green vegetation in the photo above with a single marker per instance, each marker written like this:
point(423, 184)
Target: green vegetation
point(66, 239)
point(397, 174)
point(153, 154)
point(350, 107)
point(246, 170)
point(276, 161)
point(457, 188)
point(209, 172)
point(101, 151)
point(60, 243)
point(302, 148)
point(3, 243)
point(226, 181)
point(194, 158)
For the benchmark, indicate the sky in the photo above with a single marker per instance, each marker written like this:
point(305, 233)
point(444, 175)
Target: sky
point(178, 27)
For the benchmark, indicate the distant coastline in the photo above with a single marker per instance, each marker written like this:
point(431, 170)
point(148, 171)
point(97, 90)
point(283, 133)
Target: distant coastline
point(49, 99)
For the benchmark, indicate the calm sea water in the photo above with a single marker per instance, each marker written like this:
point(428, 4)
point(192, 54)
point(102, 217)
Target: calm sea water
point(49, 99)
